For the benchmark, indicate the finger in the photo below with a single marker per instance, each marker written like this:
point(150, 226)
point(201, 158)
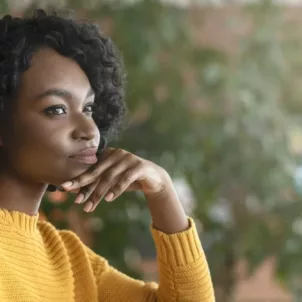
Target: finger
point(85, 192)
point(90, 176)
point(95, 202)
point(109, 179)
point(84, 179)
point(61, 189)
point(88, 207)
point(135, 186)
point(125, 181)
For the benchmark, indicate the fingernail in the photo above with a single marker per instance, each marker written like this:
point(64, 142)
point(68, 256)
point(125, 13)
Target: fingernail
point(109, 196)
point(67, 184)
point(80, 198)
point(88, 206)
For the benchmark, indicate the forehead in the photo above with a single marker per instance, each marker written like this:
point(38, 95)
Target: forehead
point(48, 70)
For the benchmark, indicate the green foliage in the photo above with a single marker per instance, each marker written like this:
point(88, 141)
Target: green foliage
point(218, 121)
point(3, 6)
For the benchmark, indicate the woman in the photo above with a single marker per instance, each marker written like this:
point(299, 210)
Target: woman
point(61, 95)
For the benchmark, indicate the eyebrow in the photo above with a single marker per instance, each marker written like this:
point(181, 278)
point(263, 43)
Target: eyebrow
point(60, 93)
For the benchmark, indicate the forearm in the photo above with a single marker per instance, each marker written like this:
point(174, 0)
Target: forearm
point(183, 273)
point(183, 269)
point(166, 210)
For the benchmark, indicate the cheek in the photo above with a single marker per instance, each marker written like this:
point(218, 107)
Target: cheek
point(36, 151)
point(40, 151)
point(38, 139)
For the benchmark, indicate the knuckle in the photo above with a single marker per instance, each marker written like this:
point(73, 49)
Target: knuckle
point(117, 188)
point(121, 151)
point(94, 173)
point(129, 156)
point(78, 182)
point(107, 177)
point(140, 163)
point(127, 177)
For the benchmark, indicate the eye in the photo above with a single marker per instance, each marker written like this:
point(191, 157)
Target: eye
point(90, 108)
point(55, 110)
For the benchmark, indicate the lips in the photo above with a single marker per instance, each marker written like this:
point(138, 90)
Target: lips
point(86, 156)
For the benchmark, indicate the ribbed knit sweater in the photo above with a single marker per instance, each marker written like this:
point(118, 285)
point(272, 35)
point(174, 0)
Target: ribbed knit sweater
point(40, 263)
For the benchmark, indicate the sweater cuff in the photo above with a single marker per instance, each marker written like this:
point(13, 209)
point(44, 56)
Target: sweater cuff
point(178, 249)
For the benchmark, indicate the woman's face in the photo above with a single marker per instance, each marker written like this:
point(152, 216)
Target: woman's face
point(51, 121)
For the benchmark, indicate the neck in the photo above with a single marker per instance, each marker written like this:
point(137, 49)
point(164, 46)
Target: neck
point(21, 196)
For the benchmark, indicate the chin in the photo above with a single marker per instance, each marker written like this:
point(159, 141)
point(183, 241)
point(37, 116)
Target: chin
point(68, 173)
point(75, 173)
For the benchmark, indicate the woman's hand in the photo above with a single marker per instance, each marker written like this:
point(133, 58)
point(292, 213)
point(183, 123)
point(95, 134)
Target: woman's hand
point(118, 171)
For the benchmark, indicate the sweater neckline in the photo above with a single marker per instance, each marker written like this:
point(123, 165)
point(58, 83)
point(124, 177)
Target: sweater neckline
point(24, 222)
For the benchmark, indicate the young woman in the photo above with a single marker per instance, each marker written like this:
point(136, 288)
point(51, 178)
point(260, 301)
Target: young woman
point(61, 94)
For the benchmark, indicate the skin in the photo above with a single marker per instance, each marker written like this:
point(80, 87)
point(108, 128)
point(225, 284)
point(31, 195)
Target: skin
point(42, 138)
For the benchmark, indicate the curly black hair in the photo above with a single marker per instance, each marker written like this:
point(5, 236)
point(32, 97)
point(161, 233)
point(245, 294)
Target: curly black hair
point(81, 41)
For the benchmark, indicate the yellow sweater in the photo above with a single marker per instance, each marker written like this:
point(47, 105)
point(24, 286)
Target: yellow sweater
point(41, 263)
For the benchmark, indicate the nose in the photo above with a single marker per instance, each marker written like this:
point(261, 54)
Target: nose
point(84, 129)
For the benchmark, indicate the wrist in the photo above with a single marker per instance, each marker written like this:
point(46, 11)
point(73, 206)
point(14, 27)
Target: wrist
point(166, 210)
point(164, 188)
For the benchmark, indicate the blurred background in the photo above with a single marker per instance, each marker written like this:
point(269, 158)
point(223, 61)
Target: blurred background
point(214, 96)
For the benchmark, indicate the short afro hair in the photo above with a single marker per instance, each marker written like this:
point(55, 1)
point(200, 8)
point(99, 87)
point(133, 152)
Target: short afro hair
point(81, 41)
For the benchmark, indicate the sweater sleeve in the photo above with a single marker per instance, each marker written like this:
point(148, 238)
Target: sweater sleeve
point(183, 273)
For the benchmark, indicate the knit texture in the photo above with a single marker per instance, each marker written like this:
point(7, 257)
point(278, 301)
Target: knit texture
point(41, 263)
